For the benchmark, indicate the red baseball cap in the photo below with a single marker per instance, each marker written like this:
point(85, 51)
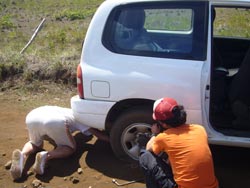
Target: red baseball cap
point(162, 109)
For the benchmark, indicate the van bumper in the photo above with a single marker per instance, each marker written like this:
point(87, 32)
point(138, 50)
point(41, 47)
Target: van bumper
point(92, 113)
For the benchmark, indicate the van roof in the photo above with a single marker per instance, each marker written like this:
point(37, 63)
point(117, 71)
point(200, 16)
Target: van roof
point(215, 1)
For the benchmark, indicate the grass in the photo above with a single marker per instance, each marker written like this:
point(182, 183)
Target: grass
point(6, 23)
point(232, 22)
point(56, 50)
point(176, 20)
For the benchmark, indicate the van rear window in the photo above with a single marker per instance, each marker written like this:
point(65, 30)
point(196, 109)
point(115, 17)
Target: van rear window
point(164, 29)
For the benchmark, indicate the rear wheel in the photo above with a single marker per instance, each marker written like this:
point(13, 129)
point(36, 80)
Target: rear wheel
point(125, 130)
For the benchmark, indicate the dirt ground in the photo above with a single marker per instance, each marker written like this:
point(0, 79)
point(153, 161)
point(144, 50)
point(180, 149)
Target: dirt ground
point(95, 158)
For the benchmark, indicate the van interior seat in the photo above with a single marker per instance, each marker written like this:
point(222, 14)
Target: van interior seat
point(133, 35)
point(239, 94)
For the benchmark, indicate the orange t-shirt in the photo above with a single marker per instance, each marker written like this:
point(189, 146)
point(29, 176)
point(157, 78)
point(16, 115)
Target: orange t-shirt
point(189, 155)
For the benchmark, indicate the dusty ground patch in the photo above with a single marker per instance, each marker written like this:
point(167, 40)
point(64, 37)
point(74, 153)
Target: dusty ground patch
point(95, 158)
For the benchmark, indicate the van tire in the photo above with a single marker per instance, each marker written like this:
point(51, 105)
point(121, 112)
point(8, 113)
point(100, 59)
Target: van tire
point(125, 129)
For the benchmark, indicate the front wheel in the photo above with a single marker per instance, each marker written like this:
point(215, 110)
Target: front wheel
point(125, 130)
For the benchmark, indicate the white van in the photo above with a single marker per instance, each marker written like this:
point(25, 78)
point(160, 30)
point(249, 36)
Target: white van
point(137, 51)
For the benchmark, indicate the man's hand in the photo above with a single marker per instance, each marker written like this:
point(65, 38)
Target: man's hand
point(155, 129)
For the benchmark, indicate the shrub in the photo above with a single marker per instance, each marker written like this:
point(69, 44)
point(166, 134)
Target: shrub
point(71, 15)
point(6, 23)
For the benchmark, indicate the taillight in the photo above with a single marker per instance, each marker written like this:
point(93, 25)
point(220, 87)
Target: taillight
point(79, 82)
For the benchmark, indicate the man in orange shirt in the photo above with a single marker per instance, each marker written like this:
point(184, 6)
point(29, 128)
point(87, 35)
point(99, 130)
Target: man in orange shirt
point(189, 163)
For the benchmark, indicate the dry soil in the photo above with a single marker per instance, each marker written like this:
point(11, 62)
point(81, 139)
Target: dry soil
point(92, 166)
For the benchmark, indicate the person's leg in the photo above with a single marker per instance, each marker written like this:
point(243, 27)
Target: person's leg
point(60, 152)
point(65, 142)
point(30, 148)
point(43, 157)
point(19, 157)
point(17, 164)
point(147, 163)
point(152, 167)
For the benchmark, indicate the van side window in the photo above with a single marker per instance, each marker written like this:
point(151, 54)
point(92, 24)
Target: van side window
point(172, 30)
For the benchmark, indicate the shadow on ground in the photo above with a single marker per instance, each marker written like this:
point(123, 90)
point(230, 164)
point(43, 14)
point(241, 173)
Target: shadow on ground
point(102, 159)
point(231, 166)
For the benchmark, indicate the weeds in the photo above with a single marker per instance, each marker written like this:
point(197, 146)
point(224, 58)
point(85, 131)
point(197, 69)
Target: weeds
point(6, 23)
point(71, 15)
point(56, 50)
point(237, 23)
point(11, 66)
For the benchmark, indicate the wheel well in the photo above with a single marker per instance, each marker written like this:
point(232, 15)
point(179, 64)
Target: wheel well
point(124, 105)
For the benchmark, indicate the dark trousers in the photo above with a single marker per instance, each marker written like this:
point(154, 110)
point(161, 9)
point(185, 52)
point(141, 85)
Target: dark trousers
point(157, 172)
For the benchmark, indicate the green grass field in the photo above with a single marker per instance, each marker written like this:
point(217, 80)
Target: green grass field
point(56, 50)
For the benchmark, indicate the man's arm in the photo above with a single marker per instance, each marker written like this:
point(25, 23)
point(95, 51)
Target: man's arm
point(99, 134)
point(150, 143)
point(155, 130)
